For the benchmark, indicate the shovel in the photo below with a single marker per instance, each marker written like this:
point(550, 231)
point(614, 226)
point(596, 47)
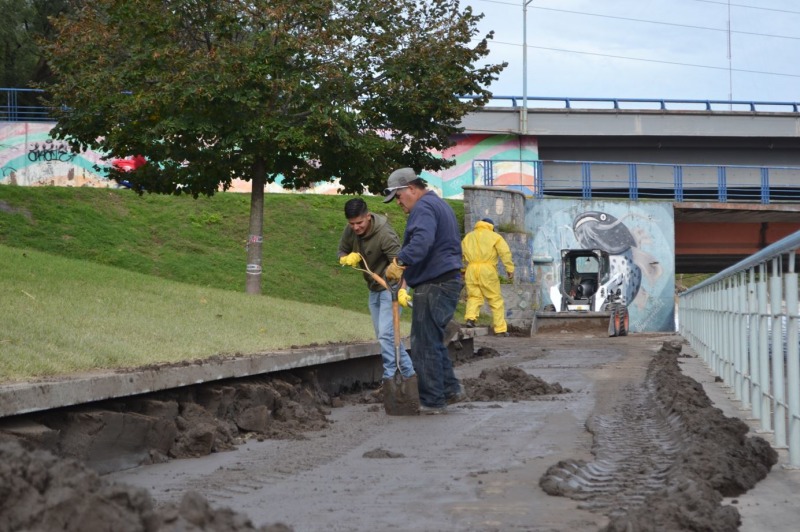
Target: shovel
point(400, 395)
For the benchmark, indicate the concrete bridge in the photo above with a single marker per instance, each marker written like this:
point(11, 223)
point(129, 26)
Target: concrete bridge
point(728, 171)
point(722, 178)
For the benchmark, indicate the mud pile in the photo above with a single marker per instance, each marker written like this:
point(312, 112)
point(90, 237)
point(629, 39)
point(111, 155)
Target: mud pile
point(666, 457)
point(181, 423)
point(509, 383)
point(39, 491)
point(504, 383)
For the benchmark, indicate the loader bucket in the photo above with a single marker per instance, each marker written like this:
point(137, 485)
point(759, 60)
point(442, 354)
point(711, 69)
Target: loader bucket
point(571, 322)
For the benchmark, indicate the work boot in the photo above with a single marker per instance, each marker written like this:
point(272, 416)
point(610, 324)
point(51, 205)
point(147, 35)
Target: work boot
point(432, 410)
point(459, 397)
point(470, 323)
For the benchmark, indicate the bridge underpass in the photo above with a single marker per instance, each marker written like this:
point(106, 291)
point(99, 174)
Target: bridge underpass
point(710, 237)
point(732, 169)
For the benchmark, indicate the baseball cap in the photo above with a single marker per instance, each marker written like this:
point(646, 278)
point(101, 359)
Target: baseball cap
point(399, 179)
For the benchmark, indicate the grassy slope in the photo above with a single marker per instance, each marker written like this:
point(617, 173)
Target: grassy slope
point(175, 286)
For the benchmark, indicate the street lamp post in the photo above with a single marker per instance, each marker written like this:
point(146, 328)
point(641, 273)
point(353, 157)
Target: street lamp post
point(523, 119)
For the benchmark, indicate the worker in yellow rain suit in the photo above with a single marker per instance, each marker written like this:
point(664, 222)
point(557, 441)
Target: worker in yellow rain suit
point(481, 249)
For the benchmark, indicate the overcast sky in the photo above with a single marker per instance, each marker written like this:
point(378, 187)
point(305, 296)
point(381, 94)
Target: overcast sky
point(673, 49)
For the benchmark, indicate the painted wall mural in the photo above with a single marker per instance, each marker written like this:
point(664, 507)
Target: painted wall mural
point(30, 157)
point(505, 150)
point(640, 241)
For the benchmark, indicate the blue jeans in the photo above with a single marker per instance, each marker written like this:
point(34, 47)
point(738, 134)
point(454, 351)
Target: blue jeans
point(434, 306)
point(380, 308)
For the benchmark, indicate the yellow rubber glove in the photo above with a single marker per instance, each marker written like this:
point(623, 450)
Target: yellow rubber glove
point(394, 272)
point(403, 298)
point(353, 259)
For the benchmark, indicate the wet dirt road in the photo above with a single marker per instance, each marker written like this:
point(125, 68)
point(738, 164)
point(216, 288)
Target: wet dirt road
point(476, 468)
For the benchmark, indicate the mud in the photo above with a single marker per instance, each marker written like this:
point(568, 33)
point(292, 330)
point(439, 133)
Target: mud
point(503, 383)
point(182, 423)
point(662, 457)
point(509, 383)
point(40, 492)
point(665, 457)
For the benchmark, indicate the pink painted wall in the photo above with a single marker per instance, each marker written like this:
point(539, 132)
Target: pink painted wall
point(30, 157)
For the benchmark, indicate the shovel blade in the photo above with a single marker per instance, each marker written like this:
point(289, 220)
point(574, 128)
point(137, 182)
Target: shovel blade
point(401, 396)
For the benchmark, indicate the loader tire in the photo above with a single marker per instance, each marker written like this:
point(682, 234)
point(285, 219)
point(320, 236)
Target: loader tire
point(622, 311)
point(613, 322)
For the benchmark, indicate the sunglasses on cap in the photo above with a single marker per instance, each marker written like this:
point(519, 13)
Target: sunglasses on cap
point(387, 191)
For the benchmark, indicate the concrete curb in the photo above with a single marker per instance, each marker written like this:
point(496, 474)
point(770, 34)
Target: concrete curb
point(24, 398)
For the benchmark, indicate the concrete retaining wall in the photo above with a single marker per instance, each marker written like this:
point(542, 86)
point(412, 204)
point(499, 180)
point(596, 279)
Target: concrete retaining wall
point(507, 209)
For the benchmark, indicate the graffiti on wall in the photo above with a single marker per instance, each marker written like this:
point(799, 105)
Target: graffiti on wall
point(507, 150)
point(30, 157)
point(640, 241)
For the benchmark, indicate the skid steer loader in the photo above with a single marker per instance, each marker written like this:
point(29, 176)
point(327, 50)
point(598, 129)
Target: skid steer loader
point(585, 296)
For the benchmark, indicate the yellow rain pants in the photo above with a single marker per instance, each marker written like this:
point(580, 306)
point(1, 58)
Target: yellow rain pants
point(481, 250)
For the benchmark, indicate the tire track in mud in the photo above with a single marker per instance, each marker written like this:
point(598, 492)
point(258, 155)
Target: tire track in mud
point(664, 457)
point(272, 461)
point(634, 449)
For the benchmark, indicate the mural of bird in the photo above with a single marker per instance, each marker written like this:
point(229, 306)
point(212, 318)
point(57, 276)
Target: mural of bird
point(600, 230)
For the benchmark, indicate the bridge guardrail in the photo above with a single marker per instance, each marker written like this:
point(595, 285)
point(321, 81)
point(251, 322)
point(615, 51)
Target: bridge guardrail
point(20, 105)
point(640, 180)
point(744, 322)
point(641, 104)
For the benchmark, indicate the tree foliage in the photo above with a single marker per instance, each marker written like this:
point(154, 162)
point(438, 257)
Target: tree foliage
point(23, 23)
point(311, 90)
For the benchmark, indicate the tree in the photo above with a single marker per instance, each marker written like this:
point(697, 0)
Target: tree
point(22, 24)
point(310, 90)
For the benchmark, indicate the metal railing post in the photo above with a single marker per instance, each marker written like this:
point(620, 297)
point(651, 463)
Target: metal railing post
point(793, 359)
point(765, 186)
point(538, 179)
point(633, 182)
point(722, 184)
point(742, 384)
point(586, 181)
point(778, 387)
point(763, 349)
point(753, 321)
point(677, 172)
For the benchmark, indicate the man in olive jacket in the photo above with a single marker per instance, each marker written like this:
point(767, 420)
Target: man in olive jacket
point(371, 235)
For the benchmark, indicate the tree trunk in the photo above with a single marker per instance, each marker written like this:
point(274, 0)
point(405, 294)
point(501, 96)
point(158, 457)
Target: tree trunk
point(256, 235)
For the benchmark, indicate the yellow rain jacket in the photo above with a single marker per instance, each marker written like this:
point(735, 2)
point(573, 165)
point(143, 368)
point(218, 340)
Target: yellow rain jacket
point(481, 250)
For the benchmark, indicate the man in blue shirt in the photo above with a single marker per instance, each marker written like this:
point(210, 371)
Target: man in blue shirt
point(429, 261)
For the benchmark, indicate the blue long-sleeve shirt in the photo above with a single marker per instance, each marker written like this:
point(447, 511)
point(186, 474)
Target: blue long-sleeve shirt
point(432, 241)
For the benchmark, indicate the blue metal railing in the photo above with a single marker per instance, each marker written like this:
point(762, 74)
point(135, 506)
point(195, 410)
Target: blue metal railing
point(661, 104)
point(12, 111)
point(640, 180)
point(745, 323)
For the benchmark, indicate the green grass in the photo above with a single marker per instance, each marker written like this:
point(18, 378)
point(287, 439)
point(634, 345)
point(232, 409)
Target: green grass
point(98, 279)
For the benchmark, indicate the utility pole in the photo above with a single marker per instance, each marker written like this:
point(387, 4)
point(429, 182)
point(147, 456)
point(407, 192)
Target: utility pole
point(523, 119)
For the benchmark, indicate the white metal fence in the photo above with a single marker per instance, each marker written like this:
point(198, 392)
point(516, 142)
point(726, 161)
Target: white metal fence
point(744, 323)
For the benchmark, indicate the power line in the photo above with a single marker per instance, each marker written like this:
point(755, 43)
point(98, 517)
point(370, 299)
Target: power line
point(746, 6)
point(673, 24)
point(676, 63)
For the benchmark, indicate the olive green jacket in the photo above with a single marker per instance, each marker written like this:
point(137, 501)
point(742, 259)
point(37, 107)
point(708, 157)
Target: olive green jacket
point(378, 246)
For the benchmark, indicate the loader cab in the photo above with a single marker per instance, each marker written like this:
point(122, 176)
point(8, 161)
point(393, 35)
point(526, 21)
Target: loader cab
point(584, 272)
